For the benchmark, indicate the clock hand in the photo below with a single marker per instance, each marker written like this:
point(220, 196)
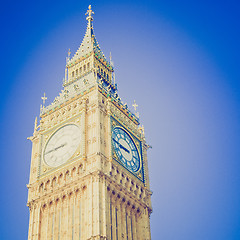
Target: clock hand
point(121, 146)
point(60, 146)
point(56, 148)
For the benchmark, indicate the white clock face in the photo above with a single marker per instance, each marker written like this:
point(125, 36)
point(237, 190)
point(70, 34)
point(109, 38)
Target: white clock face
point(62, 145)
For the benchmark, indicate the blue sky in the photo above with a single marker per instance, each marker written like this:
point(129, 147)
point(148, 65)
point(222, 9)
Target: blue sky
point(178, 59)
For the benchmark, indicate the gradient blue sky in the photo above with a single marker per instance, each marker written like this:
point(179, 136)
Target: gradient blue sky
point(178, 59)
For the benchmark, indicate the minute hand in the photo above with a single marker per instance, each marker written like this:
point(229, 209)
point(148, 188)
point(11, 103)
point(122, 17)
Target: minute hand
point(121, 146)
point(56, 148)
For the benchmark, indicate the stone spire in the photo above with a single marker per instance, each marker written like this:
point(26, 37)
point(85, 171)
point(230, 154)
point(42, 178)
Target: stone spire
point(89, 43)
point(86, 69)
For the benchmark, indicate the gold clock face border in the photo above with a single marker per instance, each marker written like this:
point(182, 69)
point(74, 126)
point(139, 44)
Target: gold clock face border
point(138, 150)
point(48, 139)
point(140, 173)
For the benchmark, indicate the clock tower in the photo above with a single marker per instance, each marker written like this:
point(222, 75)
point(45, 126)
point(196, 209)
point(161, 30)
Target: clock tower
point(89, 171)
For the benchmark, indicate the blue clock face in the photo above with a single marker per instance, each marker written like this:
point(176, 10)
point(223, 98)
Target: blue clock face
point(125, 149)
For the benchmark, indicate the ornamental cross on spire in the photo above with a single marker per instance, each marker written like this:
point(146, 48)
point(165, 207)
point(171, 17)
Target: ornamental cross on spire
point(135, 106)
point(69, 53)
point(44, 98)
point(89, 12)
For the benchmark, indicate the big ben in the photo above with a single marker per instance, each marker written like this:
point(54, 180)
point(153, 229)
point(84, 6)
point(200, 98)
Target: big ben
point(89, 172)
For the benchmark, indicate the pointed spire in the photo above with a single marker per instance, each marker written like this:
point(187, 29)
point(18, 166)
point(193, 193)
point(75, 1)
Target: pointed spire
point(89, 44)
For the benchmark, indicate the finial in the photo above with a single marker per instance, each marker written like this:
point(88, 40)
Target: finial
point(44, 98)
point(68, 56)
point(111, 61)
point(135, 105)
point(69, 52)
point(35, 125)
point(89, 12)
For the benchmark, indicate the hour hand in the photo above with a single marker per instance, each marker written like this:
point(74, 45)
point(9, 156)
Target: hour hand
point(56, 148)
point(121, 146)
point(60, 146)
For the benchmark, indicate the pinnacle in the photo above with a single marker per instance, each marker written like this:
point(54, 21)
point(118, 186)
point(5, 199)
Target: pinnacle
point(89, 43)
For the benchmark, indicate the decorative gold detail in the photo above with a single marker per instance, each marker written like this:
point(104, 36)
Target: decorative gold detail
point(89, 13)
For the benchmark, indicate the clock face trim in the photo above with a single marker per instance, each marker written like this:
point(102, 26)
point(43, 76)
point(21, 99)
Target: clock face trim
point(62, 145)
point(126, 149)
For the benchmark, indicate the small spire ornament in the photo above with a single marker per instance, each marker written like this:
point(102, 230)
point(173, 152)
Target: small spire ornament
point(135, 105)
point(111, 61)
point(135, 108)
point(68, 56)
point(44, 98)
point(69, 52)
point(35, 125)
point(89, 13)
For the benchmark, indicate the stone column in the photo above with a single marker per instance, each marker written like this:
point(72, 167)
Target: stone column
point(81, 215)
point(98, 121)
point(108, 213)
point(145, 161)
point(43, 222)
point(109, 134)
point(84, 129)
point(31, 209)
point(69, 217)
point(84, 214)
point(124, 220)
point(63, 225)
point(141, 224)
point(89, 206)
point(134, 225)
point(114, 219)
point(147, 221)
point(56, 221)
point(119, 218)
point(48, 212)
point(38, 221)
point(104, 208)
point(128, 222)
point(98, 135)
point(96, 205)
point(76, 214)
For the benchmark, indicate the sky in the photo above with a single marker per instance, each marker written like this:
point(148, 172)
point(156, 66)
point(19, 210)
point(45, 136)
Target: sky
point(178, 59)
